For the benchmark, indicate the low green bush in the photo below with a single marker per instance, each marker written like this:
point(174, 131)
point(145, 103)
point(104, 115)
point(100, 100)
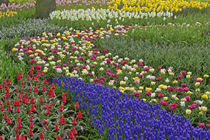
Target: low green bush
point(180, 56)
point(29, 28)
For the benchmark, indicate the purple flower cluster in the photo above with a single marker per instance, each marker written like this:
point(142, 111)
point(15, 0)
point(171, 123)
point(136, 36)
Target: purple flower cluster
point(15, 7)
point(120, 116)
point(208, 32)
point(80, 2)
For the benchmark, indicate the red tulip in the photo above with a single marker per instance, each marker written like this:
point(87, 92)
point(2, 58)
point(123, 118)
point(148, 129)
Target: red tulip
point(2, 108)
point(17, 137)
point(38, 73)
point(22, 82)
point(45, 82)
point(76, 105)
point(19, 119)
point(33, 109)
point(48, 111)
point(32, 68)
point(61, 108)
point(44, 121)
point(29, 111)
point(1, 86)
point(62, 120)
point(32, 100)
point(28, 78)
point(50, 92)
point(64, 98)
point(159, 79)
point(160, 95)
point(44, 89)
point(26, 95)
point(79, 115)
point(74, 122)
point(163, 102)
point(17, 90)
point(20, 98)
point(71, 136)
point(19, 125)
point(41, 136)
point(6, 95)
point(18, 110)
point(36, 89)
point(46, 127)
point(30, 133)
point(9, 82)
point(36, 80)
point(58, 138)
point(74, 131)
point(187, 98)
point(173, 106)
point(23, 137)
point(17, 128)
point(19, 76)
point(45, 106)
point(56, 127)
point(53, 86)
point(31, 125)
point(41, 100)
point(170, 89)
point(16, 103)
point(8, 102)
point(9, 121)
point(9, 108)
point(5, 116)
point(31, 119)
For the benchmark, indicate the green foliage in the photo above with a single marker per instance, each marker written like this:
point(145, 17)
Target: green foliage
point(183, 33)
point(21, 1)
point(30, 28)
point(9, 68)
point(181, 56)
point(21, 15)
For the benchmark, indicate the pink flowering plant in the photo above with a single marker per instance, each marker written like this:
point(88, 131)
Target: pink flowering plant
point(74, 54)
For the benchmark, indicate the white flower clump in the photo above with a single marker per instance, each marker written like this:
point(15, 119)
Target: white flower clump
point(103, 14)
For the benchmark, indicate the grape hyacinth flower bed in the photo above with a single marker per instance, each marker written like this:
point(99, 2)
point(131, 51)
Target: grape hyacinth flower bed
point(33, 109)
point(117, 115)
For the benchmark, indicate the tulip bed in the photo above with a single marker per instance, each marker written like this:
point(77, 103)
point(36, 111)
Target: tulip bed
point(107, 72)
point(32, 108)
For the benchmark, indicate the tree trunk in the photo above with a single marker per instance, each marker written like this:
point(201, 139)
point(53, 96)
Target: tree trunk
point(44, 8)
point(4, 1)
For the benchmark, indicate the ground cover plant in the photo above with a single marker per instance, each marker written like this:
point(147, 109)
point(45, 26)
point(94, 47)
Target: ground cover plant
point(105, 70)
point(29, 28)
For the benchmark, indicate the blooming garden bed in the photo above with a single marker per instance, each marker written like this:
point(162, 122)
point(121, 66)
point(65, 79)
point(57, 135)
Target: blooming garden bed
point(74, 82)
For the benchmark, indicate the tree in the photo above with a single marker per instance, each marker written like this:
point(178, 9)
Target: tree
point(44, 8)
